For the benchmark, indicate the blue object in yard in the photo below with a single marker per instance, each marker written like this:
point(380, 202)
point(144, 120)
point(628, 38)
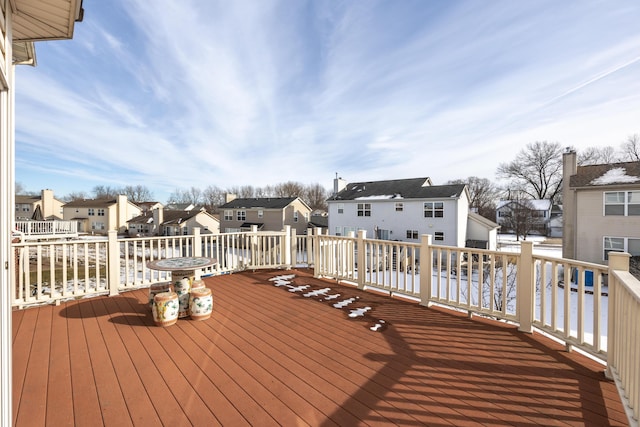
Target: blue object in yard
point(588, 278)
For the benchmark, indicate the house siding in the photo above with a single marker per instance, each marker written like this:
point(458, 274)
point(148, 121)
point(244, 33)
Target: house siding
point(584, 223)
point(385, 217)
point(273, 219)
point(593, 225)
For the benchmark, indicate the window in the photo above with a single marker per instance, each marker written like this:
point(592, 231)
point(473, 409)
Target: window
point(623, 203)
point(364, 209)
point(412, 234)
point(438, 235)
point(228, 215)
point(96, 225)
point(340, 208)
point(338, 231)
point(433, 209)
point(295, 216)
point(633, 203)
point(100, 212)
point(399, 206)
point(91, 212)
point(260, 213)
point(241, 215)
point(621, 244)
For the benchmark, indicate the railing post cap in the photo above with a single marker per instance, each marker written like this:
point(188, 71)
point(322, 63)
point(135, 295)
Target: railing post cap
point(619, 261)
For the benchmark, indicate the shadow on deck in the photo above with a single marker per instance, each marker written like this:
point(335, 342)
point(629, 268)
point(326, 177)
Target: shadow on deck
point(282, 353)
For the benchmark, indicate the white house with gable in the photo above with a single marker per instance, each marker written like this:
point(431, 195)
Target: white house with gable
point(405, 209)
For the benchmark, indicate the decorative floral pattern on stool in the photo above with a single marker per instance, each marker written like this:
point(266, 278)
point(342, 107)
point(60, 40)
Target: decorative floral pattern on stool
point(165, 308)
point(201, 304)
point(157, 288)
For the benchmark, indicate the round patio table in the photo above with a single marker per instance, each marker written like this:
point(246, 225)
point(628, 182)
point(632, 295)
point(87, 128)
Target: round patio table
point(183, 276)
point(180, 264)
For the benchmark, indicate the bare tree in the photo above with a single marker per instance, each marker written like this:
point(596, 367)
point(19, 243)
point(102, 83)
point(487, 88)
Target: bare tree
point(137, 193)
point(521, 218)
point(483, 194)
point(213, 197)
point(75, 195)
point(315, 195)
point(105, 191)
point(289, 189)
point(536, 170)
point(191, 195)
point(19, 188)
point(598, 155)
point(631, 148)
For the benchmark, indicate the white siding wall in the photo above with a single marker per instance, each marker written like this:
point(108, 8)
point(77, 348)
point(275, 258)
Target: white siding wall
point(385, 217)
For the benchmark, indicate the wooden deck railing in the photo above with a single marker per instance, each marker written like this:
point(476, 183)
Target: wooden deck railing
point(594, 308)
point(46, 229)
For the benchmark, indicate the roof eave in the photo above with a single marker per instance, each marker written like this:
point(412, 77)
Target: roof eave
point(24, 53)
point(32, 22)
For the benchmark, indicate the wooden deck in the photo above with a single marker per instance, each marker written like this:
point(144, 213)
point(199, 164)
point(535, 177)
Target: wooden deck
point(270, 356)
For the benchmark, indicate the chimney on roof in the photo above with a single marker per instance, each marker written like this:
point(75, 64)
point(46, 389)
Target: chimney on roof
point(229, 197)
point(46, 198)
point(339, 184)
point(158, 219)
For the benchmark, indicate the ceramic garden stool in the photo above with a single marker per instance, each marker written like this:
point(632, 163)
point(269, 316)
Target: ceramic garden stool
point(201, 303)
point(199, 283)
point(165, 308)
point(157, 288)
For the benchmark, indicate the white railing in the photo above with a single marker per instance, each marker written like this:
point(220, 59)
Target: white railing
point(624, 333)
point(478, 281)
point(571, 302)
point(46, 229)
point(47, 272)
point(591, 307)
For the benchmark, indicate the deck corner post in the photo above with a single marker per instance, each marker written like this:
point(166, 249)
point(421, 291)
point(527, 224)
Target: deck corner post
point(362, 261)
point(617, 261)
point(525, 288)
point(289, 236)
point(197, 242)
point(113, 257)
point(426, 270)
point(315, 247)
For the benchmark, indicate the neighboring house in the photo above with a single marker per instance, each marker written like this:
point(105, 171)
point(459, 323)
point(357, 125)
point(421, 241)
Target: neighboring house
point(405, 209)
point(319, 220)
point(99, 216)
point(181, 207)
point(555, 226)
point(42, 207)
point(538, 213)
point(172, 222)
point(149, 206)
point(268, 214)
point(601, 209)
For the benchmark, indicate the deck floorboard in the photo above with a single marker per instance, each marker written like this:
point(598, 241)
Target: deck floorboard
point(282, 353)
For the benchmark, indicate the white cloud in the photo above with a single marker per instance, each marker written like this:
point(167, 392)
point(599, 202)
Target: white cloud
point(253, 93)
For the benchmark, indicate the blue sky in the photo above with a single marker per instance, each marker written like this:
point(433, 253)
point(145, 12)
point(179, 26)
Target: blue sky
point(231, 93)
